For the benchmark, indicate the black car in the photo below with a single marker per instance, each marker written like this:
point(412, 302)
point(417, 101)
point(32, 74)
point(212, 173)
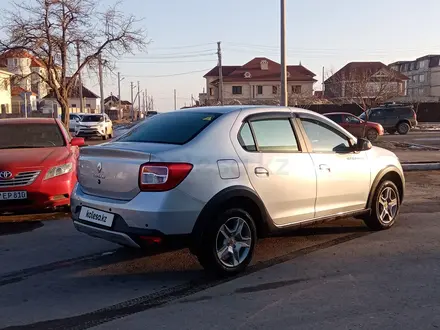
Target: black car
point(393, 117)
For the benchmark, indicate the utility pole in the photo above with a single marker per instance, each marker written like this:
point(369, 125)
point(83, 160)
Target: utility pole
point(323, 81)
point(139, 101)
point(101, 83)
point(152, 103)
point(220, 71)
point(175, 100)
point(192, 98)
point(283, 100)
point(78, 57)
point(119, 91)
point(132, 102)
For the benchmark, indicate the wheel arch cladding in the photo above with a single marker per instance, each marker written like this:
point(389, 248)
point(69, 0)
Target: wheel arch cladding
point(233, 197)
point(391, 173)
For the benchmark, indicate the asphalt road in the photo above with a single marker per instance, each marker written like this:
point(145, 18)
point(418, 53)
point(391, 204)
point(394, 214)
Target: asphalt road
point(333, 276)
point(430, 138)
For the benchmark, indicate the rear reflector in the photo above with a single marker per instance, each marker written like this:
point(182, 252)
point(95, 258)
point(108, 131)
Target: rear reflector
point(162, 176)
point(151, 239)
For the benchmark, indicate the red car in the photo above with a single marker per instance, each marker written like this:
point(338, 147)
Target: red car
point(355, 125)
point(37, 164)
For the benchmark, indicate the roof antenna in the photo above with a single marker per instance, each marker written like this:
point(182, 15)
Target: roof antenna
point(300, 63)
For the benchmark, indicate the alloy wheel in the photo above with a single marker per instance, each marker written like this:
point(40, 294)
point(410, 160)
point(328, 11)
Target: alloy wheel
point(388, 205)
point(233, 242)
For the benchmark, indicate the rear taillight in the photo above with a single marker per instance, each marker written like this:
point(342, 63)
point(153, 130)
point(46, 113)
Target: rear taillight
point(162, 176)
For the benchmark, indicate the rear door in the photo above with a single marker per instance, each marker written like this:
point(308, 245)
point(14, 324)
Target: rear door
point(343, 176)
point(279, 169)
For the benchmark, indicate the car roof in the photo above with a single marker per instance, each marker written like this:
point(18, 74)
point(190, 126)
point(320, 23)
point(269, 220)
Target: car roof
point(233, 108)
point(338, 113)
point(27, 121)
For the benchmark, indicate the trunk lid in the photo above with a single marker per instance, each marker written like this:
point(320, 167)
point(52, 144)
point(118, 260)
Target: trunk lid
point(112, 170)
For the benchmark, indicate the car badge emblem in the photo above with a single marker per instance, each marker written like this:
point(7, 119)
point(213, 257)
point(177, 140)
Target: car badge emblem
point(99, 167)
point(5, 175)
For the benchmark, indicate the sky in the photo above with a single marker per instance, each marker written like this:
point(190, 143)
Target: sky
point(319, 33)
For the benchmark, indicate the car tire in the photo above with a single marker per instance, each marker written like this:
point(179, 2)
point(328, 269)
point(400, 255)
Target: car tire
point(391, 131)
point(105, 136)
point(372, 134)
point(403, 128)
point(385, 206)
point(227, 246)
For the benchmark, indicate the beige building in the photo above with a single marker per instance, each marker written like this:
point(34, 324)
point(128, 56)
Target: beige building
point(5, 92)
point(424, 77)
point(27, 70)
point(256, 81)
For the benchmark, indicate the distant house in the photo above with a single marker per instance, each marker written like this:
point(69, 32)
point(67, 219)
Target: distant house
point(91, 101)
point(257, 81)
point(23, 99)
point(424, 77)
point(5, 91)
point(365, 80)
point(111, 104)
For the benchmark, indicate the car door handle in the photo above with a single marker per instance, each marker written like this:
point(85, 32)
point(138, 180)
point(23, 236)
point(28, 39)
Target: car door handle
point(261, 171)
point(324, 167)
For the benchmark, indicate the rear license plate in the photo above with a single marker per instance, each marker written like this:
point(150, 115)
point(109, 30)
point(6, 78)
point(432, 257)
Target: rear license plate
point(12, 195)
point(96, 216)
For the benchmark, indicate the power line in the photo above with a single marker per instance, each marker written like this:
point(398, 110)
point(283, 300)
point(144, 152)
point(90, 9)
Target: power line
point(167, 62)
point(188, 46)
point(174, 54)
point(158, 57)
point(171, 75)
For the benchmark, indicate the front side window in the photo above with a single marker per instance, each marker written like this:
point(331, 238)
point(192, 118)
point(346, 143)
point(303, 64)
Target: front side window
point(177, 127)
point(274, 135)
point(15, 136)
point(237, 90)
point(324, 138)
point(352, 119)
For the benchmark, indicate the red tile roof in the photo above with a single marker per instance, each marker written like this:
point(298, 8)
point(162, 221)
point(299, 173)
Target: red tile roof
point(237, 73)
point(17, 90)
point(18, 53)
point(358, 69)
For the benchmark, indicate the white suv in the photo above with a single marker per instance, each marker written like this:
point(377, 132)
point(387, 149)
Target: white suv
point(95, 125)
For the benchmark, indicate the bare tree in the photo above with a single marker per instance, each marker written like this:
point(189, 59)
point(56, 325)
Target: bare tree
point(51, 31)
point(364, 87)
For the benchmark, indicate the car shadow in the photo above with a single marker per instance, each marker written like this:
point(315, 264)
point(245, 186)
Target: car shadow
point(13, 228)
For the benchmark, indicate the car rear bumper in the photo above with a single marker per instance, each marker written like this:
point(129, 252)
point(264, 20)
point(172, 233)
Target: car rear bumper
point(149, 213)
point(41, 195)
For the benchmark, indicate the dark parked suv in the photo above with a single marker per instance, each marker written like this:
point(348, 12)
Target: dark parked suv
point(393, 117)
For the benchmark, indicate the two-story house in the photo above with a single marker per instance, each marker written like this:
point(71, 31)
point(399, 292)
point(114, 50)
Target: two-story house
point(27, 70)
point(5, 91)
point(365, 80)
point(424, 77)
point(257, 80)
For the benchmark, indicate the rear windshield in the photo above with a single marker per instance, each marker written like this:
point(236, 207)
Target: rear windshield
point(14, 136)
point(92, 119)
point(172, 127)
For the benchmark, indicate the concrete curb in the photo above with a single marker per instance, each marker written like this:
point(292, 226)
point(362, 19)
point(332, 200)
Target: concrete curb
point(425, 166)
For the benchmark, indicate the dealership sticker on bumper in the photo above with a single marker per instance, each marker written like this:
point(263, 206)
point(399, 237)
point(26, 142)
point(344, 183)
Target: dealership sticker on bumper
point(99, 217)
point(12, 195)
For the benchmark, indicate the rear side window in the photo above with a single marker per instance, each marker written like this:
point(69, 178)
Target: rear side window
point(246, 139)
point(336, 118)
point(275, 135)
point(177, 127)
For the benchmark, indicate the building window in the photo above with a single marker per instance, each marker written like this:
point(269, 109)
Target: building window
point(73, 105)
point(236, 90)
point(421, 91)
point(296, 89)
point(413, 66)
point(422, 78)
point(421, 64)
point(274, 89)
point(415, 78)
point(211, 91)
point(88, 105)
point(260, 90)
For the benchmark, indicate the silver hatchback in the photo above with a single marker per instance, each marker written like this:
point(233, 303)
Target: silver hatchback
point(215, 179)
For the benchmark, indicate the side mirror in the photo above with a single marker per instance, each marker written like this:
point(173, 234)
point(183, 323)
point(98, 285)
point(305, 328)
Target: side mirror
point(363, 145)
point(77, 141)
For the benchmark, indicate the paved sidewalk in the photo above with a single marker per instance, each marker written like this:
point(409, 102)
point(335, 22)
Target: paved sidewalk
point(417, 156)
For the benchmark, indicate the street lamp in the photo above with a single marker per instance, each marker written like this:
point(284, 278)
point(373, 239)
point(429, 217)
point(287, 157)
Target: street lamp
point(283, 100)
